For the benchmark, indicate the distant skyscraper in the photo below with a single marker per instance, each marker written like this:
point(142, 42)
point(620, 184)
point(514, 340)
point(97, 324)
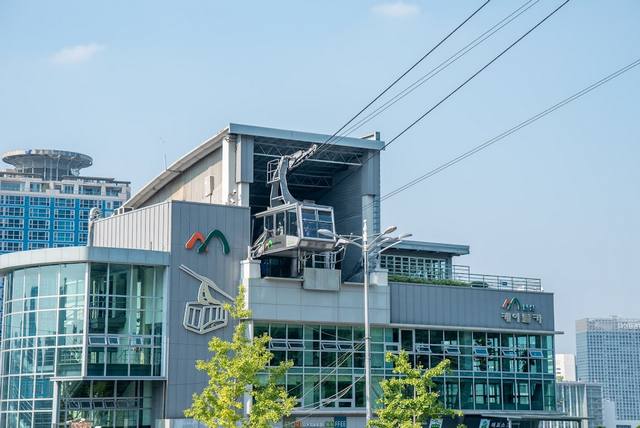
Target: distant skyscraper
point(566, 367)
point(44, 202)
point(608, 353)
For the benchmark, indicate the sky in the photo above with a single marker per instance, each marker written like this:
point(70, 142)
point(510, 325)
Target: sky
point(138, 84)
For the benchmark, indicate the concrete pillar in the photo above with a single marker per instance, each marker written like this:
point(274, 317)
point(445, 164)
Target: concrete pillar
point(244, 168)
point(229, 191)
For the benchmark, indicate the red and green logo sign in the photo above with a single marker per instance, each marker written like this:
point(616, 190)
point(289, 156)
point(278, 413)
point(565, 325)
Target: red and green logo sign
point(514, 304)
point(204, 242)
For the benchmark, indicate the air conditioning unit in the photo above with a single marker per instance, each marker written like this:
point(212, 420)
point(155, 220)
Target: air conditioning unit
point(123, 210)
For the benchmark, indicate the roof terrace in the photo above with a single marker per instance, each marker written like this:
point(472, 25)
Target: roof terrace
point(433, 271)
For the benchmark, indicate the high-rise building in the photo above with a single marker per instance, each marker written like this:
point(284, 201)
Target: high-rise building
point(45, 202)
point(608, 353)
point(566, 367)
point(579, 399)
point(109, 333)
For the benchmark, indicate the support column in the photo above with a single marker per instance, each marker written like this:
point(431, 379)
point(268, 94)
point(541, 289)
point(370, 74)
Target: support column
point(55, 411)
point(229, 191)
point(244, 168)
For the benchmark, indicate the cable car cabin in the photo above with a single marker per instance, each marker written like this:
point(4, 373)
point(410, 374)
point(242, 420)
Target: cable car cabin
point(292, 227)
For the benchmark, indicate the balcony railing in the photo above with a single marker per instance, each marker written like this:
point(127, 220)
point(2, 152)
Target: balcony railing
point(460, 276)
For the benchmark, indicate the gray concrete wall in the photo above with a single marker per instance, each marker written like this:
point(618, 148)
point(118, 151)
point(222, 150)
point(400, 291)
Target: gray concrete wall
point(147, 228)
point(347, 201)
point(190, 185)
point(185, 347)
point(286, 300)
point(464, 307)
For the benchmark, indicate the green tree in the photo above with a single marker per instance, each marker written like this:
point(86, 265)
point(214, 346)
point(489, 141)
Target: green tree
point(409, 398)
point(236, 368)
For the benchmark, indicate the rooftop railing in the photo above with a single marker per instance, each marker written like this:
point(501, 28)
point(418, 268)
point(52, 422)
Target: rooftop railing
point(460, 276)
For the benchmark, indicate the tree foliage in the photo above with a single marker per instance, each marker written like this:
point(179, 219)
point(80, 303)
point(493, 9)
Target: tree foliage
point(237, 368)
point(410, 398)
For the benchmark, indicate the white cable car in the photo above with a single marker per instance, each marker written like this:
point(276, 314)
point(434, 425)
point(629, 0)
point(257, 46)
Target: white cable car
point(290, 227)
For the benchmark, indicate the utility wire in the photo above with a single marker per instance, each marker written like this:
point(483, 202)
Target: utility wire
point(401, 76)
point(510, 131)
point(450, 94)
point(474, 75)
point(441, 67)
point(505, 134)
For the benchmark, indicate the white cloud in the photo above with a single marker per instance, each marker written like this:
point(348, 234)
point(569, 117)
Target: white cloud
point(76, 54)
point(396, 9)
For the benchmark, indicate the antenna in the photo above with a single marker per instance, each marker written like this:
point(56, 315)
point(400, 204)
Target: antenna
point(164, 153)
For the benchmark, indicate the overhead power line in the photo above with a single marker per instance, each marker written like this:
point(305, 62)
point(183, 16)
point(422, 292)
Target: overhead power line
point(385, 90)
point(503, 135)
point(442, 66)
point(470, 78)
point(460, 86)
point(513, 129)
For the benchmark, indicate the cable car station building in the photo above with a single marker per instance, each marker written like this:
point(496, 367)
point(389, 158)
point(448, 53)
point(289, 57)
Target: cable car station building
point(109, 333)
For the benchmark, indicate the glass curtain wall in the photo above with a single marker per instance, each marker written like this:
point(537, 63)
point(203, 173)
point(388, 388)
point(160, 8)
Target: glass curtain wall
point(122, 403)
point(42, 337)
point(45, 326)
point(125, 320)
point(489, 371)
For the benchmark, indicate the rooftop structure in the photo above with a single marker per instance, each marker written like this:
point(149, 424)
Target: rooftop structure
point(248, 206)
point(44, 202)
point(49, 164)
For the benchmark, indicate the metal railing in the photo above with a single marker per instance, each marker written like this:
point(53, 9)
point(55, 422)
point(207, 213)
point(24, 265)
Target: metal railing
point(461, 276)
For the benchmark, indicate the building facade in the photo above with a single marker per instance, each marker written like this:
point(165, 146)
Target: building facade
point(579, 399)
point(608, 352)
point(109, 333)
point(45, 202)
point(566, 367)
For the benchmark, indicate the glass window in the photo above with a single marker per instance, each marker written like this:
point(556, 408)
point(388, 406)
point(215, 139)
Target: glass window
point(119, 279)
point(292, 223)
point(72, 278)
point(279, 223)
point(17, 285)
point(268, 223)
point(98, 279)
point(466, 393)
point(47, 323)
point(49, 280)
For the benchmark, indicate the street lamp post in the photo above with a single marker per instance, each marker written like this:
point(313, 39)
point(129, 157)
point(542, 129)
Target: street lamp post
point(373, 247)
point(367, 327)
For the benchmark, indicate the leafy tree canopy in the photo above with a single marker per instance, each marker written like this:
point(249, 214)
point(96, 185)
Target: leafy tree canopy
point(410, 398)
point(236, 368)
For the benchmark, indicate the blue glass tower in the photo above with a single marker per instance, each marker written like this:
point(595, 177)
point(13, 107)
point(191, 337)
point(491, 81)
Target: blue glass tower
point(45, 202)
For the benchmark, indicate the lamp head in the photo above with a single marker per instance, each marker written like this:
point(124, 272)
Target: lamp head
point(326, 232)
point(389, 229)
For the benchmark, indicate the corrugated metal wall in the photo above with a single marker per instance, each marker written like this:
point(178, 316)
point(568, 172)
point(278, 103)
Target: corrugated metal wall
point(147, 228)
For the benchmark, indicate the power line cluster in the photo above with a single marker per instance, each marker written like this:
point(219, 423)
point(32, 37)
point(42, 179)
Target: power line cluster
point(357, 121)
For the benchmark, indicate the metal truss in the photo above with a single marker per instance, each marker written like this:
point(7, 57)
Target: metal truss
point(300, 179)
point(332, 155)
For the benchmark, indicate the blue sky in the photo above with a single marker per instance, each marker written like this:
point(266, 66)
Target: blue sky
point(132, 82)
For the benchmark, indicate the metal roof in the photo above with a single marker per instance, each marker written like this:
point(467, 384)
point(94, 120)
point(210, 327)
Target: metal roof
point(269, 143)
point(308, 137)
point(433, 247)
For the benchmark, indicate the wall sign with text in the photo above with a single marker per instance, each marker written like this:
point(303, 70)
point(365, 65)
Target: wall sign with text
point(514, 311)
